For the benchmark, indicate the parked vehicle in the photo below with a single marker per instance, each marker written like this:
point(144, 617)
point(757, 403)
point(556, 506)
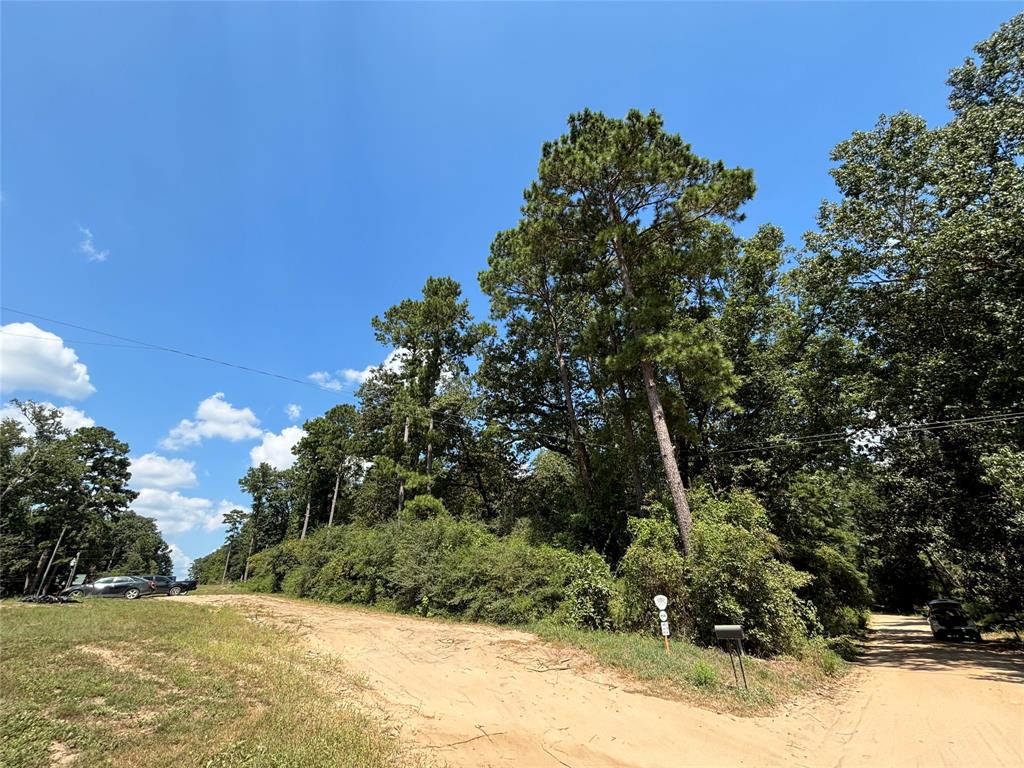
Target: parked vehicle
point(166, 585)
point(130, 587)
point(948, 620)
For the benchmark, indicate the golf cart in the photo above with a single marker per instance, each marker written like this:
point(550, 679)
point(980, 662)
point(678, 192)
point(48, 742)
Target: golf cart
point(948, 621)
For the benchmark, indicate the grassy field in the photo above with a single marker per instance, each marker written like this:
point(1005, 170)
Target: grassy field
point(157, 683)
point(703, 676)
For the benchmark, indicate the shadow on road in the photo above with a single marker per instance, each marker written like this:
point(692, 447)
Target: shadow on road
point(906, 643)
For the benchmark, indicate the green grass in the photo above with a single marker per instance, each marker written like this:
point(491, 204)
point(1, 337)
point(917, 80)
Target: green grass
point(153, 683)
point(703, 676)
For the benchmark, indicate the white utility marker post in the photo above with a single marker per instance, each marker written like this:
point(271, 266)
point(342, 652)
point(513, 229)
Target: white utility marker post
point(661, 603)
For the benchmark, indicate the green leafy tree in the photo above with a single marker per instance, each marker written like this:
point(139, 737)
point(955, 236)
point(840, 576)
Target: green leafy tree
point(654, 218)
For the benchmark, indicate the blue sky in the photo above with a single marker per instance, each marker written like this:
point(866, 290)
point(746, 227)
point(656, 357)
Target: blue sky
point(254, 182)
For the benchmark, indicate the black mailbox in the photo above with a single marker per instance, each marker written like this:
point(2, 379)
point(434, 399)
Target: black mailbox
point(734, 633)
point(729, 631)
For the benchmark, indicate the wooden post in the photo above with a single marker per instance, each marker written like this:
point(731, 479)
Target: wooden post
point(668, 650)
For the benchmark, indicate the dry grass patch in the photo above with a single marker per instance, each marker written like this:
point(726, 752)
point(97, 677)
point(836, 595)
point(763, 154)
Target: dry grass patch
point(156, 683)
point(702, 676)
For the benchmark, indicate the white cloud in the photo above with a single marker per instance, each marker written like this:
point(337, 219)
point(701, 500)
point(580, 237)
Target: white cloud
point(215, 417)
point(324, 379)
point(349, 376)
point(73, 419)
point(70, 417)
point(88, 247)
point(37, 360)
point(294, 411)
point(276, 449)
point(182, 562)
point(175, 513)
point(151, 470)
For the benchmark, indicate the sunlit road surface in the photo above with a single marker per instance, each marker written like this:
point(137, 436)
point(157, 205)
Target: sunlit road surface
point(475, 695)
point(921, 702)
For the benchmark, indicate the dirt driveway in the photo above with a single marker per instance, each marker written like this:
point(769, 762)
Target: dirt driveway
point(479, 696)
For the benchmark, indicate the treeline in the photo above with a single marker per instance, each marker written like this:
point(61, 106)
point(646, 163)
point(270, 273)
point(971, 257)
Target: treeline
point(770, 437)
point(63, 493)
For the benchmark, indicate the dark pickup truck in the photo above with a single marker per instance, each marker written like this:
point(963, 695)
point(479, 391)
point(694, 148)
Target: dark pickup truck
point(165, 585)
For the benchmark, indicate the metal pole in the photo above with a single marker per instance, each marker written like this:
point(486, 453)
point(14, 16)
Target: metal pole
point(732, 661)
point(740, 643)
point(46, 573)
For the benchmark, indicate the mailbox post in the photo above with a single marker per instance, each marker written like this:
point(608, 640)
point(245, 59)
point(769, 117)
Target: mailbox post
point(732, 635)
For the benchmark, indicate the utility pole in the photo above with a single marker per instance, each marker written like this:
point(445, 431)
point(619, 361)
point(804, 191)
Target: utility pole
point(227, 559)
point(46, 573)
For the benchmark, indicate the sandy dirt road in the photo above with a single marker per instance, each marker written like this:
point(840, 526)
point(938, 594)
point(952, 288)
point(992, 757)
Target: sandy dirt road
point(474, 696)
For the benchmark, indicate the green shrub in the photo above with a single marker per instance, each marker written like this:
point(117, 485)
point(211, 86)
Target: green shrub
point(824, 657)
point(589, 591)
point(838, 590)
point(423, 507)
point(735, 577)
point(846, 647)
point(357, 565)
point(459, 568)
point(430, 563)
point(268, 568)
point(652, 565)
point(437, 565)
point(294, 582)
point(702, 674)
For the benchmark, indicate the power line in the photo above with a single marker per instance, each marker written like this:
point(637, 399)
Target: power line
point(172, 350)
point(823, 438)
point(881, 430)
point(60, 340)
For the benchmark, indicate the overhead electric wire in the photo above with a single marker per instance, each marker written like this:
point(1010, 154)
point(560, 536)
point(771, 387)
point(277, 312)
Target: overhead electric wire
point(60, 340)
point(823, 438)
point(880, 430)
point(172, 350)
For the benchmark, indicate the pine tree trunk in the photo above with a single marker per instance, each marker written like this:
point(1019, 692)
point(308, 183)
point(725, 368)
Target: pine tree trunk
point(634, 464)
point(401, 480)
point(305, 521)
point(430, 449)
point(675, 483)
point(334, 498)
point(252, 544)
point(227, 560)
point(582, 455)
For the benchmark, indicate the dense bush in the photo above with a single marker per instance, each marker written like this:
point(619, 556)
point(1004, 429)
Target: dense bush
point(736, 577)
point(652, 565)
point(430, 563)
point(589, 592)
point(267, 569)
point(838, 591)
point(356, 561)
point(440, 566)
point(423, 507)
